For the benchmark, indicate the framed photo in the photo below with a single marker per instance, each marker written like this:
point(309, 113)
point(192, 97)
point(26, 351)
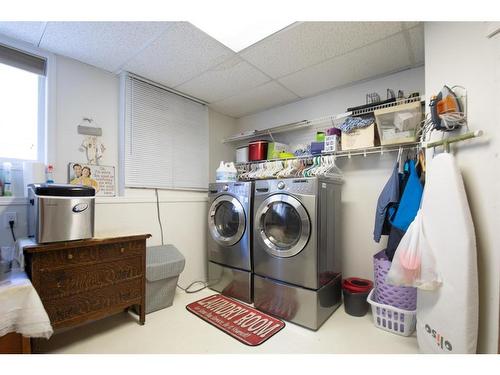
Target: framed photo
point(100, 177)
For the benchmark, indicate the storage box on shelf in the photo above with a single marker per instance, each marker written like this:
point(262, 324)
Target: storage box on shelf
point(398, 124)
point(274, 149)
point(359, 138)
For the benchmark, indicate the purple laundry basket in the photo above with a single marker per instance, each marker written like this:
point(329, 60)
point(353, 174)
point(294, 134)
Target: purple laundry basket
point(398, 296)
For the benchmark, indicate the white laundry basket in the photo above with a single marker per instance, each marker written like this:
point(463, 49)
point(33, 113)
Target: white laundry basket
point(391, 319)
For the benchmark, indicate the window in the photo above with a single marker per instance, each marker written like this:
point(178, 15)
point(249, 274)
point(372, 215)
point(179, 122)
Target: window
point(22, 88)
point(164, 138)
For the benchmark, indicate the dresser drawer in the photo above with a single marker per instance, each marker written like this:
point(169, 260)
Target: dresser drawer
point(90, 305)
point(112, 251)
point(72, 280)
point(65, 257)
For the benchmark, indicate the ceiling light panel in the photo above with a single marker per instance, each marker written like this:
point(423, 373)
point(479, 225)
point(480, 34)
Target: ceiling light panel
point(239, 34)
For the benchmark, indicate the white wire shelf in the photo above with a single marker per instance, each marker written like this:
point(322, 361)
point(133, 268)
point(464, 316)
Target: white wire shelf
point(266, 132)
point(347, 153)
point(368, 110)
point(320, 122)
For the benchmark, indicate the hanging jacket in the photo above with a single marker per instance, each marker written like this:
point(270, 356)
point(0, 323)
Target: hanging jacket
point(410, 200)
point(388, 197)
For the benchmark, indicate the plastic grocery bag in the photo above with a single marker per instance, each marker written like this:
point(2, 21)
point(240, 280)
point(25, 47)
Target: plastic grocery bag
point(414, 264)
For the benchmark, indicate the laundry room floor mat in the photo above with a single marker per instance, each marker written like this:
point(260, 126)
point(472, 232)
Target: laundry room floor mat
point(238, 320)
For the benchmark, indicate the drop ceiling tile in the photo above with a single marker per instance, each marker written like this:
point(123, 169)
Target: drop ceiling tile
point(417, 43)
point(388, 55)
point(409, 25)
point(106, 45)
point(181, 53)
point(260, 98)
point(30, 32)
point(227, 79)
point(308, 43)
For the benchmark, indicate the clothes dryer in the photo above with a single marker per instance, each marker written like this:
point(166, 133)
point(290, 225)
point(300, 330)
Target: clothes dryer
point(229, 239)
point(296, 248)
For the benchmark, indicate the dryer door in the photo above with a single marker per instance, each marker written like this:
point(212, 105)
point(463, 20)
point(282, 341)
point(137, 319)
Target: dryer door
point(226, 220)
point(283, 225)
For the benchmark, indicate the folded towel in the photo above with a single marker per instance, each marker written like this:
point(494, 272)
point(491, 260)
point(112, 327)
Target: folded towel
point(353, 123)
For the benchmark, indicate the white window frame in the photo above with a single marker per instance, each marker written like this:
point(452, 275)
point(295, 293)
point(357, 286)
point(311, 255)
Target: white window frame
point(46, 147)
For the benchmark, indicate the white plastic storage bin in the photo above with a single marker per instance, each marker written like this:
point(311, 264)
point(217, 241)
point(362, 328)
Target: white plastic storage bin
point(164, 264)
point(391, 319)
point(398, 124)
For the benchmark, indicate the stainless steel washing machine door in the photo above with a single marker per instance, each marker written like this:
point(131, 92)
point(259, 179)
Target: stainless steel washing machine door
point(226, 220)
point(283, 225)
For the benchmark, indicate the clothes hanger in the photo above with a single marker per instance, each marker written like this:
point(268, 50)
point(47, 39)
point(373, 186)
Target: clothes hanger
point(333, 170)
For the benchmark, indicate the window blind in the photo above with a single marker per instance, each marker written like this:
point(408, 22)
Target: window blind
point(22, 60)
point(165, 139)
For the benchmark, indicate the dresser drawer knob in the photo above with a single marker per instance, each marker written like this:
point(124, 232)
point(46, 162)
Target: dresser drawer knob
point(122, 250)
point(70, 256)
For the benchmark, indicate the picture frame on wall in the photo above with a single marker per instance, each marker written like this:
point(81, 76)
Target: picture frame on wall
point(100, 177)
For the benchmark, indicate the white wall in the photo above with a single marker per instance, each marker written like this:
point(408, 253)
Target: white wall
point(364, 177)
point(221, 126)
point(334, 101)
point(85, 91)
point(460, 54)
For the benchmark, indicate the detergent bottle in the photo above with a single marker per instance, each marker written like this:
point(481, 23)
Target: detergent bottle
point(232, 173)
point(226, 172)
point(221, 172)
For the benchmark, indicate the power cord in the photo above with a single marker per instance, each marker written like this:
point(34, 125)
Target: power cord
point(186, 289)
point(205, 284)
point(159, 217)
point(11, 225)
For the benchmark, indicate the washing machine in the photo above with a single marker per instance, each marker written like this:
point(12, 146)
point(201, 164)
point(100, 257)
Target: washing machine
point(296, 248)
point(229, 239)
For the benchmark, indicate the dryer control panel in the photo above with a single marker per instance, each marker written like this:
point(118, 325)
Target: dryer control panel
point(299, 186)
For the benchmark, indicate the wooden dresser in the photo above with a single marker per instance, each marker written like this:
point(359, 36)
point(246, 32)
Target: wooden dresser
point(85, 280)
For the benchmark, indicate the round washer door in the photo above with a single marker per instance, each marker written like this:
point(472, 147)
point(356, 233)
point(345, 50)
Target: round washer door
point(283, 225)
point(226, 220)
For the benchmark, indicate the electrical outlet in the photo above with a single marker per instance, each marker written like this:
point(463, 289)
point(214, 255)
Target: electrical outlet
point(10, 216)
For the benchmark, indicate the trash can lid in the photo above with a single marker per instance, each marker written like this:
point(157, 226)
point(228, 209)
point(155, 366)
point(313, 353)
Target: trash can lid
point(62, 190)
point(357, 285)
point(163, 262)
